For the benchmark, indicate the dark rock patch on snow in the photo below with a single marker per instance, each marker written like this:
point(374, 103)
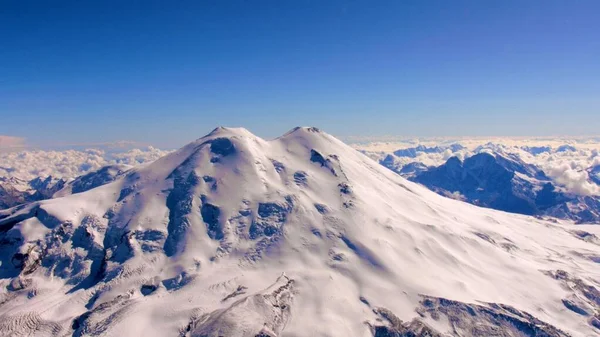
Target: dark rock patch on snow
point(318, 158)
point(270, 220)
point(147, 289)
point(491, 319)
point(279, 167)
point(322, 208)
point(394, 327)
point(180, 204)
point(222, 146)
point(301, 178)
point(210, 215)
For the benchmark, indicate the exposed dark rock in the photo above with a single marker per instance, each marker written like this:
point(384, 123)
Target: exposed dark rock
point(318, 158)
point(97, 178)
point(222, 146)
point(179, 203)
point(125, 192)
point(300, 178)
point(210, 215)
point(18, 260)
point(336, 256)
point(178, 281)
point(345, 188)
point(272, 210)
point(245, 212)
point(585, 236)
point(79, 321)
point(270, 220)
point(279, 167)
point(396, 328)
point(491, 319)
point(485, 237)
point(574, 307)
point(148, 289)
point(322, 208)
point(150, 240)
point(587, 292)
point(241, 290)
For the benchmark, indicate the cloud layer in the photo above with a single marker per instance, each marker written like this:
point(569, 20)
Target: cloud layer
point(70, 163)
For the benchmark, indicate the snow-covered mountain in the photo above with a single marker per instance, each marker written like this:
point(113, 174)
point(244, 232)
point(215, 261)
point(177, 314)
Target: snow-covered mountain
point(233, 235)
point(413, 152)
point(537, 150)
point(497, 179)
point(594, 173)
point(15, 191)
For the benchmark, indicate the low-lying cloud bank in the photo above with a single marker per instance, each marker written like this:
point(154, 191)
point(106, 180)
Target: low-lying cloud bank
point(70, 163)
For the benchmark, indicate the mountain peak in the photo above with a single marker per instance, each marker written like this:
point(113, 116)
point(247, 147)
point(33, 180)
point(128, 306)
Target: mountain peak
point(223, 131)
point(310, 129)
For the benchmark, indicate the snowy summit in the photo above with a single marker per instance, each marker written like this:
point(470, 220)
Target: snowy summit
point(237, 236)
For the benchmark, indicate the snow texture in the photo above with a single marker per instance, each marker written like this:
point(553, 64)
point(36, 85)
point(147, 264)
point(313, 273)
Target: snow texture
point(233, 235)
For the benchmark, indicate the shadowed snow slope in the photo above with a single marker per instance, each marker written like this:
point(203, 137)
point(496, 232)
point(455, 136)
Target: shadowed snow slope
point(233, 235)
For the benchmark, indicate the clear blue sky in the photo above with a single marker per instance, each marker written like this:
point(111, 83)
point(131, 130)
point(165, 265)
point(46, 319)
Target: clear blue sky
point(167, 72)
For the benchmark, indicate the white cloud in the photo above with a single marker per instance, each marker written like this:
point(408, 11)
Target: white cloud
point(573, 177)
point(70, 163)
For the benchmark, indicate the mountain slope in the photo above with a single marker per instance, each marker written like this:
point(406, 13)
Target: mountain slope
point(14, 191)
point(503, 182)
point(233, 235)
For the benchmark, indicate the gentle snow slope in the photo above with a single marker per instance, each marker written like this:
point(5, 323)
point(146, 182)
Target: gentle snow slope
point(233, 235)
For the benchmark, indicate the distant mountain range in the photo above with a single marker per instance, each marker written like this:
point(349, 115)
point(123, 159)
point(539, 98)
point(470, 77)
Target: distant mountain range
point(594, 173)
point(15, 191)
point(501, 181)
point(414, 151)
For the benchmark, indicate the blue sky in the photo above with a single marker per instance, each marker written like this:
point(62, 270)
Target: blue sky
point(167, 72)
